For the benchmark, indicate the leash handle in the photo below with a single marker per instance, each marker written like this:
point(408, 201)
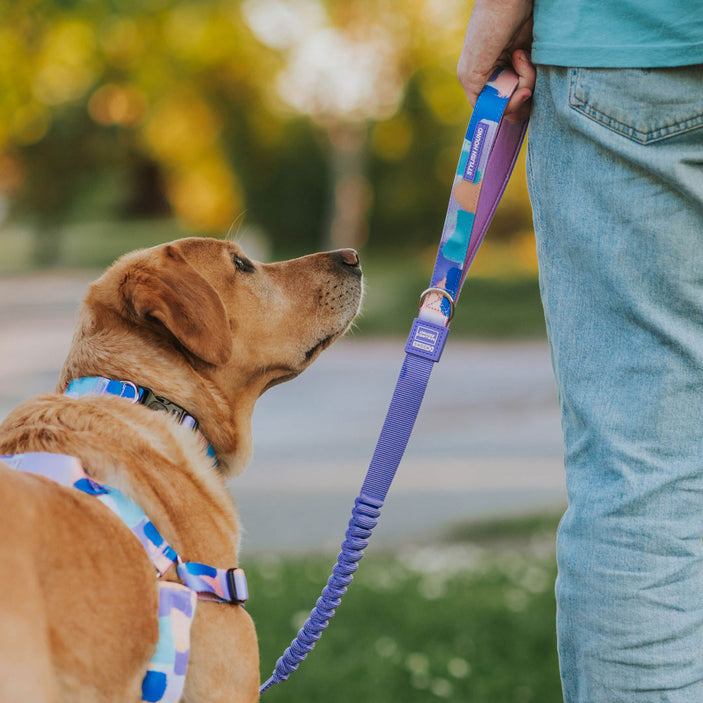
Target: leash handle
point(491, 145)
point(487, 158)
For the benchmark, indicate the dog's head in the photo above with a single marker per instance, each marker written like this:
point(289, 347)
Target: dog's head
point(204, 326)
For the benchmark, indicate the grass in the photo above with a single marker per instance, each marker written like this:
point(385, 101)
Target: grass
point(461, 620)
point(502, 530)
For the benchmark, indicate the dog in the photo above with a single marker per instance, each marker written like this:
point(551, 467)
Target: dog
point(206, 330)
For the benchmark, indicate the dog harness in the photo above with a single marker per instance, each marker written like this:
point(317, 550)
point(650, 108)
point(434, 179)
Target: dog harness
point(165, 676)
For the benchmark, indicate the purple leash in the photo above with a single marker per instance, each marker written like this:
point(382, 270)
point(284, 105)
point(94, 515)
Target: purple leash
point(487, 159)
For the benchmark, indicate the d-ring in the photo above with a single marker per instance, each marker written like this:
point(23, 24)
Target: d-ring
point(136, 391)
point(443, 293)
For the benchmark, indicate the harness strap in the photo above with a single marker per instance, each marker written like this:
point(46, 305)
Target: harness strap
point(210, 583)
point(99, 385)
point(491, 146)
point(164, 678)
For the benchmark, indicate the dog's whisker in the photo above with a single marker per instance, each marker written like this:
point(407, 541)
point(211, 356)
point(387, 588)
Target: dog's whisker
point(235, 228)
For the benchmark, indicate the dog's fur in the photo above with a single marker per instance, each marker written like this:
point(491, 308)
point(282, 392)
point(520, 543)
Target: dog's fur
point(199, 324)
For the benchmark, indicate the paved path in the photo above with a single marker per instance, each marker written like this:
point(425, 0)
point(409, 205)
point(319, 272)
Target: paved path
point(487, 440)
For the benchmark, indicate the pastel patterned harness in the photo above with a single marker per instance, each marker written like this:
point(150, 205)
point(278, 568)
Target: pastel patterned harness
point(165, 676)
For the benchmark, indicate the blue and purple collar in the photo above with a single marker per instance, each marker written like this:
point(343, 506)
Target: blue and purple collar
point(99, 385)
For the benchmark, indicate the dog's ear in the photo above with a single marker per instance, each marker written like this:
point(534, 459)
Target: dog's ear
point(176, 295)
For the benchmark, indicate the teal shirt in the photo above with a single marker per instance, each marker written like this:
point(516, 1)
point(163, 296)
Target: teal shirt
point(618, 33)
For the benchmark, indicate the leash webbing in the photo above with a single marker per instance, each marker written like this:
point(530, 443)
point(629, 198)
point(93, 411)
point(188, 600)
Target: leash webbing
point(488, 155)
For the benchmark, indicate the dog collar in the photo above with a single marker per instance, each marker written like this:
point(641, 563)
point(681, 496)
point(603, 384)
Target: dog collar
point(99, 385)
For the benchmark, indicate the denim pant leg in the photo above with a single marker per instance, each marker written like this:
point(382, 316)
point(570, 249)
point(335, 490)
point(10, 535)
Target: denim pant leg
point(615, 163)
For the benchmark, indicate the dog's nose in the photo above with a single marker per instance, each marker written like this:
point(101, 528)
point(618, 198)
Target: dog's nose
point(349, 257)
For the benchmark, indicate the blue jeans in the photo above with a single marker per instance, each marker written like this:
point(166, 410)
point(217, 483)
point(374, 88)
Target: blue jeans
point(615, 165)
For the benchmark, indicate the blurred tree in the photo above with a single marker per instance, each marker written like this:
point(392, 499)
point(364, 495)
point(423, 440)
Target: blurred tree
point(342, 69)
point(318, 119)
point(98, 96)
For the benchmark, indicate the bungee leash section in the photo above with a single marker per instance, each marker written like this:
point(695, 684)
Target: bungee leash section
point(488, 155)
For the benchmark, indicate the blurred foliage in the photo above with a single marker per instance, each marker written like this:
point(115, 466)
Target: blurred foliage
point(511, 529)
point(310, 122)
point(493, 304)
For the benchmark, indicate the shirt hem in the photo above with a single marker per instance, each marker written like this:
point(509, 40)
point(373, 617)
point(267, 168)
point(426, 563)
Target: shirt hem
point(617, 57)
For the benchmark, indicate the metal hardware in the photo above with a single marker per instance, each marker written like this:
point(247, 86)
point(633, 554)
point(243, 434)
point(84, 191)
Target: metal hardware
point(441, 292)
point(136, 392)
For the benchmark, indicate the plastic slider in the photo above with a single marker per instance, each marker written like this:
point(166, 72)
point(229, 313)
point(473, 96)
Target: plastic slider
point(237, 582)
point(426, 340)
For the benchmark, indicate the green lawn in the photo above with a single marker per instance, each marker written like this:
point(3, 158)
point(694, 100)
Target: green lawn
point(460, 621)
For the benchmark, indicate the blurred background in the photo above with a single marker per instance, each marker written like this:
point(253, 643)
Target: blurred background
point(296, 126)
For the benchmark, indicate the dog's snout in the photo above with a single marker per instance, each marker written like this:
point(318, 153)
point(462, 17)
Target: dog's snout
point(347, 257)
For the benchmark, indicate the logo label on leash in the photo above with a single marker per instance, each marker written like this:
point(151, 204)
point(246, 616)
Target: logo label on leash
point(483, 136)
point(426, 340)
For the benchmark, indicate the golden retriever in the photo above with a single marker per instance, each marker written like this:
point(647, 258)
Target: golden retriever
point(198, 323)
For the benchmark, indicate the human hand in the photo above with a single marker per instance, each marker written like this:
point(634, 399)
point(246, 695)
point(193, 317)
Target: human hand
point(499, 33)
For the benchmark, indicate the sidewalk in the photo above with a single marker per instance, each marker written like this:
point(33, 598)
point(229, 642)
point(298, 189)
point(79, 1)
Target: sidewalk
point(487, 440)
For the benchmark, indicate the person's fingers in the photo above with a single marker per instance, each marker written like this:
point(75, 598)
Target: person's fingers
point(474, 69)
point(525, 70)
point(518, 108)
point(494, 26)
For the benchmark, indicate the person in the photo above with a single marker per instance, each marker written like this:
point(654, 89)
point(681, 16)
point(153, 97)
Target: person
point(615, 172)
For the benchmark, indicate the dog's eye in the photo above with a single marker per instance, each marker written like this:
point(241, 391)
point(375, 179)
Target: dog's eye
point(243, 265)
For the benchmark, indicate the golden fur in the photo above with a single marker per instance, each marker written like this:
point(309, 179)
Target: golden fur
point(199, 324)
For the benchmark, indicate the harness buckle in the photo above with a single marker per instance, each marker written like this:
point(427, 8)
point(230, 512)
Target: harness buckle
point(237, 582)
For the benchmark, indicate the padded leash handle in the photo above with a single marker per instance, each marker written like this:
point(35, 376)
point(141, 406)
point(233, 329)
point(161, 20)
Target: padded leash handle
point(488, 154)
point(487, 159)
